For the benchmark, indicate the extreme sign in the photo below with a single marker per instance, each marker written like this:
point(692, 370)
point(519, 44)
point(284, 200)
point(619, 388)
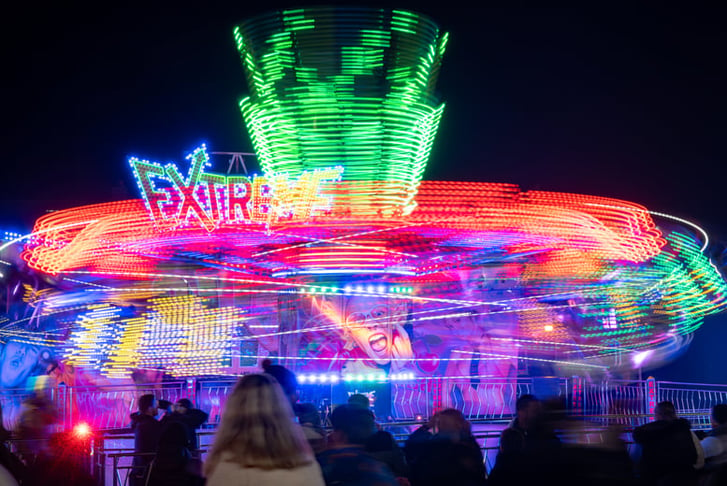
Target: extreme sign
point(213, 200)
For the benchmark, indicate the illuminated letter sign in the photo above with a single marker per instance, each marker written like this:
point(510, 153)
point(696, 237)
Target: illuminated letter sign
point(212, 200)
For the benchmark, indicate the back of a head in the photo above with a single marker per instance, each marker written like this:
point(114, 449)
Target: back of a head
point(524, 401)
point(37, 401)
point(380, 441)
point(359, 400)
point(257, 427)
point(259, 396)
point(307, 413)
point(185, 402)
point(452, 423)
point(145, 401)
point(356, 423)
point(719, 413)
point(283, 375)
point(553, 410)
point(665, 411)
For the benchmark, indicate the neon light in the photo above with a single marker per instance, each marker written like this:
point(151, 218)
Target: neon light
point(651, 394)
point(454, 279)
point(179, 334)
point(365, 100)
point(212, 200)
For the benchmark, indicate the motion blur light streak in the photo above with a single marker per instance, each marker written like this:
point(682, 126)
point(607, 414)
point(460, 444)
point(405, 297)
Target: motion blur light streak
point(340, 261)
point(366, 101)
point(677, 275)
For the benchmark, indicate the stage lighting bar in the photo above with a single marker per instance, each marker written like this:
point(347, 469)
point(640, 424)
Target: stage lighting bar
point(334, 378)
point(318, 379)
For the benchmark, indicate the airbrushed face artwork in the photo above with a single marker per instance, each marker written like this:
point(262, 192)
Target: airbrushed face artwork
point(19, 361)
point(356, 334)
point(363, 333)
point(374, 325)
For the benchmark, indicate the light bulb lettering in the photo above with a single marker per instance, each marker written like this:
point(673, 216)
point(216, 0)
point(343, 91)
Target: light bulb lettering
point(213, 200)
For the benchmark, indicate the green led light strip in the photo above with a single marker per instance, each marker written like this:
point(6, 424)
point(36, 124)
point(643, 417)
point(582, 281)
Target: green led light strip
point(350, 87)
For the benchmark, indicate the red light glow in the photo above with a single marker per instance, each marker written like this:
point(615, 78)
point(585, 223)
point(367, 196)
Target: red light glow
point(82, 431)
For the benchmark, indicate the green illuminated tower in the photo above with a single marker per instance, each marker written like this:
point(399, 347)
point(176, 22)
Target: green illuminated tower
point(350, 87)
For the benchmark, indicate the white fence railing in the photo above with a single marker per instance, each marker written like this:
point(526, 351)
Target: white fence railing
point(627, 403)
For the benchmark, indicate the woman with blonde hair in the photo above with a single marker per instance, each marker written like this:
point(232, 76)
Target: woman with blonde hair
point(258, 442)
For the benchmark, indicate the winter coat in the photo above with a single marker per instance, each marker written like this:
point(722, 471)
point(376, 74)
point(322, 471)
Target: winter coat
point(667, 450)
point(192, 420)
point(147, 431)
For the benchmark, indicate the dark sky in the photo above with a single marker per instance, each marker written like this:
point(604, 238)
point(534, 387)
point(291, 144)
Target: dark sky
point(613, 101)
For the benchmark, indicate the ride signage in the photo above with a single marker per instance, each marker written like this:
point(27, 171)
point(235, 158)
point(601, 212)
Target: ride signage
point(215, 200)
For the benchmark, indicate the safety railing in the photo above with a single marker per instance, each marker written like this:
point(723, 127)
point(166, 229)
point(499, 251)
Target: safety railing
point(211, 397)
point(109, 407)
point(474, 397)
point(11, 401)
point(692, 400)
point(628, 403)
point(117, 461)
point(114, 453)
point(622, 402)
point(122, 472)
point(115, 464)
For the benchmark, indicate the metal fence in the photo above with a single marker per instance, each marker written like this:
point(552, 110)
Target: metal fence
point(211, 397)
point(475, 398)
point(489, 404)
point(693, 400)
point(102, 407)
point(627, 403)
point(10, 401)
point(109, 407)
point(412, 400)
point(622, 402)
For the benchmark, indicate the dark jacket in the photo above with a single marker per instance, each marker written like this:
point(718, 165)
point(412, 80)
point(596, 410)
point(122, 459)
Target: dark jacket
point(191, 421)
point(512, 469)
point(437, 460)
point(351, 466)
point(146, 430)
point(173, 465)
point(539, 438)
point(382, 447)
point(667, 450)
point(715, 467)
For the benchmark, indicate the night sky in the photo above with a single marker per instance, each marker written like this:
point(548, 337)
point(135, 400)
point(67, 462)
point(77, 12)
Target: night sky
point(617, 102)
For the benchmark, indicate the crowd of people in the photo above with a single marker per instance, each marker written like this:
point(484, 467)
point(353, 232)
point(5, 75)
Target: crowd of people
point(42, 457)
point(664, 452)
point(166, 450)
point(266, 437)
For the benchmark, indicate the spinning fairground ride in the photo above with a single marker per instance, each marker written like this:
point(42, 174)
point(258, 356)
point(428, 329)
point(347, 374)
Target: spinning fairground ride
point(339, 262)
